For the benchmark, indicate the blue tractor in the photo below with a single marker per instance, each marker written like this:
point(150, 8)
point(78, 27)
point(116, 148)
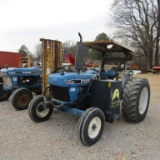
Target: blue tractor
point(23, 81)
point(94, 95)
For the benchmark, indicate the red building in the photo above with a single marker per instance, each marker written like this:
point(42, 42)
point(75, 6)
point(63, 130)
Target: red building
point(9, 58)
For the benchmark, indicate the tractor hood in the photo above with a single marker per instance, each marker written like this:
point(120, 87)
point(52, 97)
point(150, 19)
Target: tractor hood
point(70, 79)
point(12, 72)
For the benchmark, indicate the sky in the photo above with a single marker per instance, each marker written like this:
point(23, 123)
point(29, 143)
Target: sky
point(24, 22)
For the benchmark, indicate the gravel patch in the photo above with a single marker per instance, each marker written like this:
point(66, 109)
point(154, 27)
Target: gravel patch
point(56, 139)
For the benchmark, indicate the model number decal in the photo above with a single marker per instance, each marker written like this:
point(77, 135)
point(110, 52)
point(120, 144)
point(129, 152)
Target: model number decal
point(27, 72)
point(78, 81)
point(19, 72)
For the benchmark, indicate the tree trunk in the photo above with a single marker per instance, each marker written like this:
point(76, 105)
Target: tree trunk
point(150, 58)
point(156, 61)
point(158, 36)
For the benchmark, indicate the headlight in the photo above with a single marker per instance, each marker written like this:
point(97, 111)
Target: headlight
point(7, 81)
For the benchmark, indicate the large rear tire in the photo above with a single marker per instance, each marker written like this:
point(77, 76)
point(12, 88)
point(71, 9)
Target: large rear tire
point(90, 126)
point(38, 112)
point(135, 99)
point(21, 98)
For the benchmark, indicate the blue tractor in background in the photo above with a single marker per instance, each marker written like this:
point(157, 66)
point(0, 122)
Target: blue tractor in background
point(21, 82)
point(94, 95)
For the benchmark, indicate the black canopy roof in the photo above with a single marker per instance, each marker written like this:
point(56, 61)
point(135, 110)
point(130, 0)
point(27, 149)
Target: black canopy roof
point(102, 46)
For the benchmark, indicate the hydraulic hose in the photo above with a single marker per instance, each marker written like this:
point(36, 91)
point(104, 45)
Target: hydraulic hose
point(45, 90)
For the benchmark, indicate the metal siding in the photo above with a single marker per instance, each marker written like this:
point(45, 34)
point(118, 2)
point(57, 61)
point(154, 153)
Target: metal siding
point(10, 58)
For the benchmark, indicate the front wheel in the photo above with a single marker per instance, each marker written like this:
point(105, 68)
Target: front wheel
point(4, 95)
point(21, 98)
point(135, 99)
point(38, 110)
point(90, 126)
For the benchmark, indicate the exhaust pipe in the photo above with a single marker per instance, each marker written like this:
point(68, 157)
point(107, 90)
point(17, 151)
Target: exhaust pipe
point(80, 36)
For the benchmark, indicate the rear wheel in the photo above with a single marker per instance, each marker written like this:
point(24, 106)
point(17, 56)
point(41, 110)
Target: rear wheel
point(38, 110)
point(135, 99)
point(21, 98)
point(90, 126)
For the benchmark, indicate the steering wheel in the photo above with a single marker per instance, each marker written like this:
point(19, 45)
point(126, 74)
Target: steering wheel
point(84, 69)
point(58, 70)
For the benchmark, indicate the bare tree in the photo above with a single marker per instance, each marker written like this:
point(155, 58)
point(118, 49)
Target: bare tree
point(69, 47)
point(38, 52)
point(139, 21)
point(158, 34)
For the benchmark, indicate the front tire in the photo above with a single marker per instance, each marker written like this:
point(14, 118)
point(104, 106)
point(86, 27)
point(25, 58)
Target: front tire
point(4, 95)
point(21, 98)
point(90, 126)
point(135, 100)
point(37, 111)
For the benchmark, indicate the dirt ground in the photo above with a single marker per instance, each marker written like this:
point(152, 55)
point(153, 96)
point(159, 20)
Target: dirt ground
point(56, 139)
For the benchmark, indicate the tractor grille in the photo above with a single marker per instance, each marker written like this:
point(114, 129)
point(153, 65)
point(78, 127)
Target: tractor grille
point(7, 81)
point(60, 93)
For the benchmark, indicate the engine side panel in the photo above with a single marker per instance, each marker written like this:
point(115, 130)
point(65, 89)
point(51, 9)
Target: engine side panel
point(106, 95)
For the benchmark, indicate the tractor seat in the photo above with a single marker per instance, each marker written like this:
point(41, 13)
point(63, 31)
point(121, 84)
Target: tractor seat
point(110, 74)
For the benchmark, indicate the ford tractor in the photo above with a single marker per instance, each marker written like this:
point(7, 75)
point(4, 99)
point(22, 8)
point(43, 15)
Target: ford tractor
point(96, 95)
point(23, 81)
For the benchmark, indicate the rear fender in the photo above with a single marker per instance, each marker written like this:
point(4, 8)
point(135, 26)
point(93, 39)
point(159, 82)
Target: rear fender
point(134, 72)
point(127, 75)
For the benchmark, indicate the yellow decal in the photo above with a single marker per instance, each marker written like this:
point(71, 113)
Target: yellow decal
point(109, 84)
point(115, 94)
point(115, 98)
